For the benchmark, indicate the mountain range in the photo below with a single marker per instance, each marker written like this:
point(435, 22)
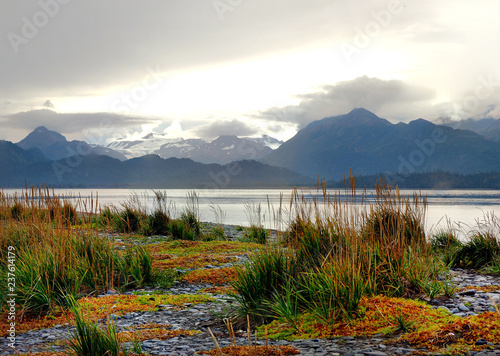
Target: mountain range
point(223, 150)
point(366, 144)
point(358, 142)
point(489, 127)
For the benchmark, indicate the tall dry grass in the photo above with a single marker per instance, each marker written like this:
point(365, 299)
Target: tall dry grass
point(338, 248)
point(58, 254)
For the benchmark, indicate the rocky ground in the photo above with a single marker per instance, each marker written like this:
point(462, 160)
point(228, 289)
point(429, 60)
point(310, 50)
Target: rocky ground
point(202, 316)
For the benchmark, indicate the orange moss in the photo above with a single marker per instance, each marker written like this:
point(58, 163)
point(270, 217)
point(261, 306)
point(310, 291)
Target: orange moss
point(218, 290)
point(98, 308)
point(35, 322)
point(465, 331)
point(377, 315)
point(254, 350)
point(45, 354)
point(153, 331)
point(216, 276)
point(192, 261)
point(183, 247)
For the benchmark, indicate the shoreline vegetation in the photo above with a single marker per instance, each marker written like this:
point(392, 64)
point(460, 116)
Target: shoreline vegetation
point(334, 270)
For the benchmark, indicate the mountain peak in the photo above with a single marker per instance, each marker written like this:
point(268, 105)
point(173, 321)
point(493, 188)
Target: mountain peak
point(361, 113)
point(41, 129)
point(41, 137)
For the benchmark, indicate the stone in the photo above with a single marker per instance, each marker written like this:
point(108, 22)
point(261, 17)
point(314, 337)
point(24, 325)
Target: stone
point(468, 292)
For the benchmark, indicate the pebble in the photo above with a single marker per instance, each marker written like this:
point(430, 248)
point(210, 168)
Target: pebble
point(201, 316)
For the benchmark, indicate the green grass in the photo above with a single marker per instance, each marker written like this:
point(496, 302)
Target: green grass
point(257, 234)
point(89, 339)
point(334, 258)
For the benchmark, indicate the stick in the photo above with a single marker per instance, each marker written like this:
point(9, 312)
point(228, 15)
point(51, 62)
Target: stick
point(249, 336)
point(215, 341)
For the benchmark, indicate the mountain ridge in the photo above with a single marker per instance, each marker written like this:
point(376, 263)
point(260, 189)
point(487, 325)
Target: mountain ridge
point(362, 142)
point(55, 146)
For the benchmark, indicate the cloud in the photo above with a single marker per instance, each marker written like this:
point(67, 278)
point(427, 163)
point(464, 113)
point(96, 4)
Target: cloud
point(71, 123)
point(105, 50)
point(225, 127)
point(389, 98)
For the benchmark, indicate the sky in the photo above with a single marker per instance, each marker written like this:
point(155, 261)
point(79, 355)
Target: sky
point(100, 70)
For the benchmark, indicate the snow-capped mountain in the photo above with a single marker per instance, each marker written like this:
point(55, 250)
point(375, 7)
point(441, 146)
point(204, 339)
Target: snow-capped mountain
point(268, 141)
point(140, 147)
point(222, 150)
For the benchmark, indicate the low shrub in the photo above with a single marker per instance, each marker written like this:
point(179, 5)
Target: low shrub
point(159, 223)
point(180, 230)
point(130, 221)
point(444, 240)
point(257, 234)
point(190, 219)
point(69, 215)
point(17, 211)
point(481, 250)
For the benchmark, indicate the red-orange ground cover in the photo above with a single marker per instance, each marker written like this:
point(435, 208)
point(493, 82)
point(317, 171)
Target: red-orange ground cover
point(216, 276)
point(218, 290)
point(465, 331)
point(98, 308)
point(192, 261)
point(184, 247)
point(377, 315)
point(153, 331)
point(254, 350)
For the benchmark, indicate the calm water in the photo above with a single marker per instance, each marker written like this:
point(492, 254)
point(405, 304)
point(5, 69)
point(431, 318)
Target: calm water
point(460, 208)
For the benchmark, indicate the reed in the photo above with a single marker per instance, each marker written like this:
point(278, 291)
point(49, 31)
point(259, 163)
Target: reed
point(337, 249)
point(59, 255)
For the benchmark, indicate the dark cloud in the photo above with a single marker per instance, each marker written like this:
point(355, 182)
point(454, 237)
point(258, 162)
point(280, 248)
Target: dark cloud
point(225, 127)
point(70, 123)
point(392, 98)
point(48, 104)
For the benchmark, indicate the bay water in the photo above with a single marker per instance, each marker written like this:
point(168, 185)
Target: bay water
point(461, 210)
